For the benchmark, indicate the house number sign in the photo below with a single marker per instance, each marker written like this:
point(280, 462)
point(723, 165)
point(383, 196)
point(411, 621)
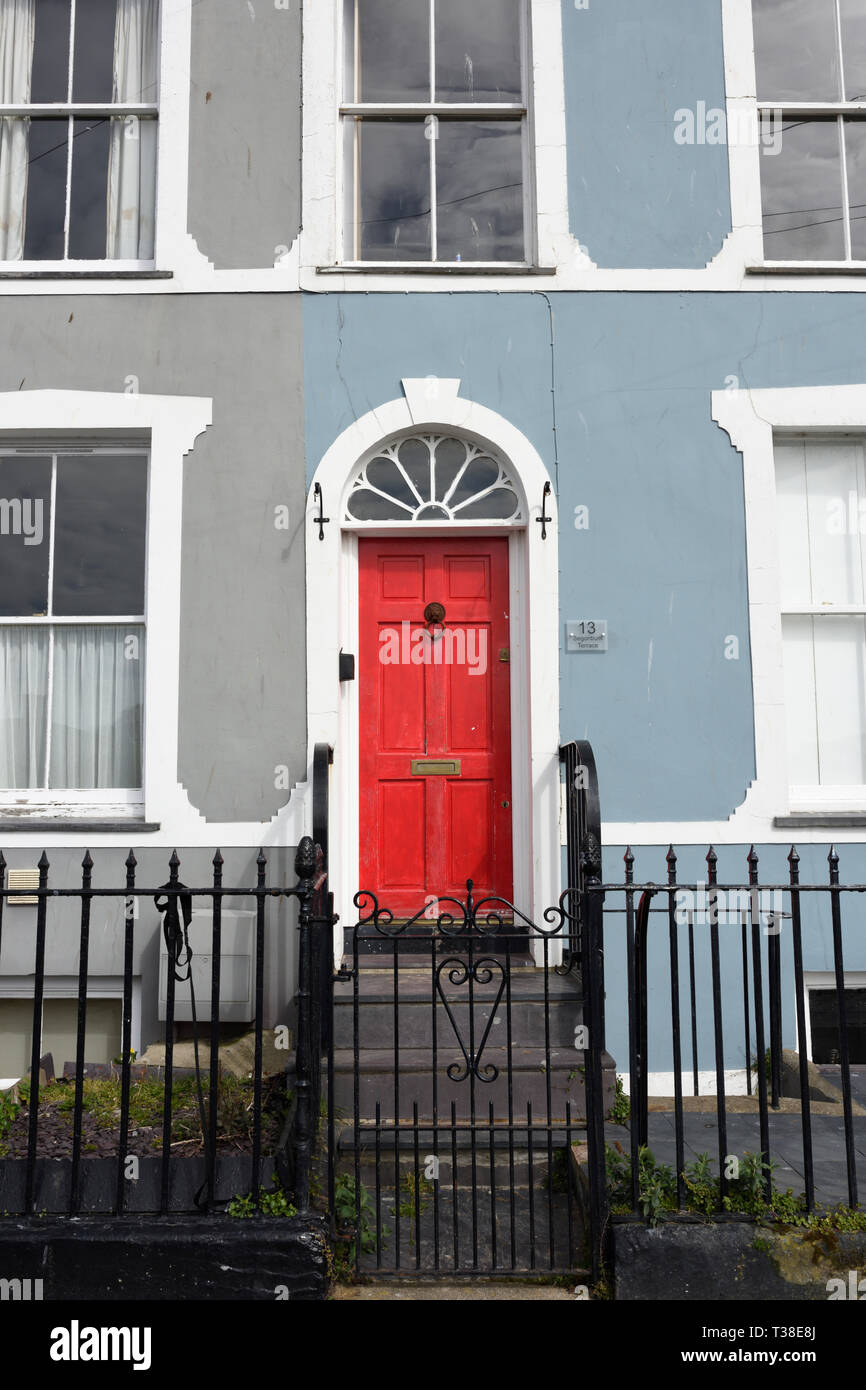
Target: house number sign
point(586, 635)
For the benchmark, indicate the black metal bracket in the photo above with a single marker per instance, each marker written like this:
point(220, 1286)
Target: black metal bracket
point(320, 520)
point(543, 519)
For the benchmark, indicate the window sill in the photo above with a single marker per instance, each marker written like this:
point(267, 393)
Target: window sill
point(76, 824)
point(820, 820)
point(428, 268)
point(807, 268)
point(107, 274)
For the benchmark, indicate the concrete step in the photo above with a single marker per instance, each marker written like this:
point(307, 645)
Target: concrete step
point(528, 1078)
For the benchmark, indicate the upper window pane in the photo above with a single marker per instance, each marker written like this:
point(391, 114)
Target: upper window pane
point(796, 50)
point(853, 16)
point(391, 51)
point(49, 45)
point(478, 50)
point(100, 535)
point(25, 527)
point(93, 72)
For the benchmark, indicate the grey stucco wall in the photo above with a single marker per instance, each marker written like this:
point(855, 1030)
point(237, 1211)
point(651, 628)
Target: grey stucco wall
point(242, 683)
point(245, 130)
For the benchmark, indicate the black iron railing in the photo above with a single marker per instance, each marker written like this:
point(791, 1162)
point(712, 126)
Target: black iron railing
point(79, 1182)
point(746, 935)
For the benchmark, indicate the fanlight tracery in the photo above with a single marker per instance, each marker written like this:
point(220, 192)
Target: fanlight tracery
point(433, 478)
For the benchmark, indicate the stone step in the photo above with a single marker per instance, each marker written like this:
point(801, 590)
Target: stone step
point(530, 999)
point(528, 1080)
point(396, 1156)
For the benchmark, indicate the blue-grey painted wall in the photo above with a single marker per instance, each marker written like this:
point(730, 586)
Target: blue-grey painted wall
point(663, 558)
point(636, 197)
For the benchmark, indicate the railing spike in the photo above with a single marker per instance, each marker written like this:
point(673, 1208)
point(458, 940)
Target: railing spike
point(87, 862)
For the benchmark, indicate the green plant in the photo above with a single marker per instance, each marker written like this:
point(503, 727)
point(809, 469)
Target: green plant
point(409, 1205)
point(271, 1203)
point(8, 1111)
point(118, 1061)
point(767, 1069)
point(355, 1219)
point(620, 1111)
point(656, 1182)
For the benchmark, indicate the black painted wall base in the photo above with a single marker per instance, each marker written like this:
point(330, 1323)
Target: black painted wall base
point(168, 1258)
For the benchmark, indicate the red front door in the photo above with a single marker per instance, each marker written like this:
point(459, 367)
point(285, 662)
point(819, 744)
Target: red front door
point(435, 720)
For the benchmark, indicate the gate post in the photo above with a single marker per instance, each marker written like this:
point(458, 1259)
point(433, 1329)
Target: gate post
point(593, 975)
point(304, 1122)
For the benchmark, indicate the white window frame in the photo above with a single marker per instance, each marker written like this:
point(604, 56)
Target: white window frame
point(168, 427)
point(79, 110)
point(92, 796)
point(802, 111)
point(177, 259)
point(549, 244)
point(825, 979)
point(743, 111)
point(753, 420)
point(844, 796)
point(350, 108)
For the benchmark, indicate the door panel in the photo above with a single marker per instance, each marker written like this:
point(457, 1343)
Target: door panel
point(438, 694)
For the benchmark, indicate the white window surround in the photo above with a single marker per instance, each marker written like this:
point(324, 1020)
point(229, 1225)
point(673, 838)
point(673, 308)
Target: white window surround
point(750, 419)
point(741, 263)
point(168, 426)
point(322, 238)
point(176, 254)
point(434, 405)
point(826, 979)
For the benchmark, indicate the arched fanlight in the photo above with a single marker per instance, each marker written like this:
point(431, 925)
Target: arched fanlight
point(432, 478)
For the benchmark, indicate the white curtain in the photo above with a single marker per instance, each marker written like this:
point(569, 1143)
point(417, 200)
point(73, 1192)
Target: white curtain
point(17, 21)
point(24, 686)
point(97, 687)
point(132, 160)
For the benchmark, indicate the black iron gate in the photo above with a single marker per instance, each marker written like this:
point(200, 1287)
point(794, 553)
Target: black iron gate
point(459, 1091)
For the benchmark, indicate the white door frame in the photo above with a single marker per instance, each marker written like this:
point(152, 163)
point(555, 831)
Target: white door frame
point(433, 404)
